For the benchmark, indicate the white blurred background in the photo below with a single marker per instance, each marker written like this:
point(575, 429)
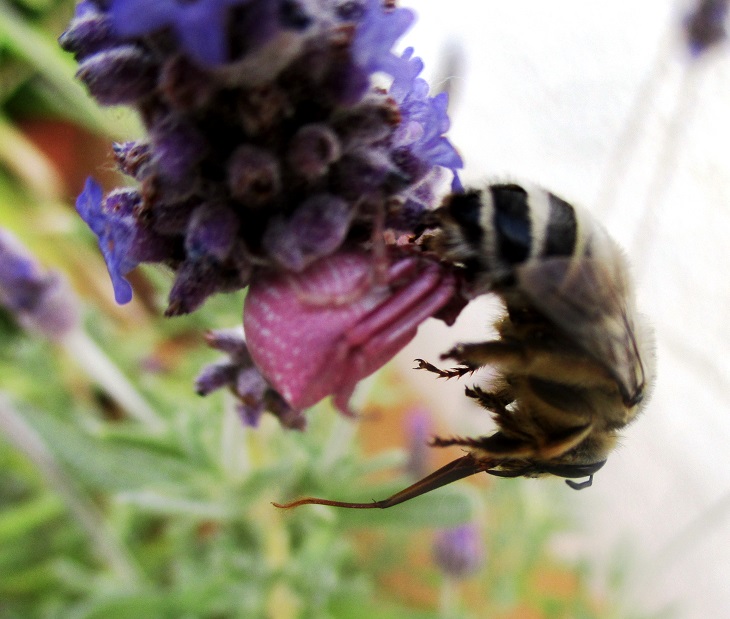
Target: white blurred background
point(546, 91)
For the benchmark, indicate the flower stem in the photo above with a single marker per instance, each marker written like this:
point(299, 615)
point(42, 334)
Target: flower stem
point(234, 454)
point(107, 547)
point(105, 372)
point(448, 599)
point(29, 163)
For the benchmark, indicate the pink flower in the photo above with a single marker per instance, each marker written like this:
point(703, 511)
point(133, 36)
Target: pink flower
point(319, 332)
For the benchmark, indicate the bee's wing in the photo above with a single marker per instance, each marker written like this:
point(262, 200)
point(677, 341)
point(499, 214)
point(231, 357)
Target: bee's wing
point(588, 298)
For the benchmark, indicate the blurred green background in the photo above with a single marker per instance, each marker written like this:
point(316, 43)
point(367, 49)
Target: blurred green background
point(157, 503)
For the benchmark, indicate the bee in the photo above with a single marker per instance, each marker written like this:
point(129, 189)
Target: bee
point(574, 359)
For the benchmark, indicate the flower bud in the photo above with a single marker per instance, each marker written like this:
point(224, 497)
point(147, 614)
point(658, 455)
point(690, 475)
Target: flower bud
point(119, 76)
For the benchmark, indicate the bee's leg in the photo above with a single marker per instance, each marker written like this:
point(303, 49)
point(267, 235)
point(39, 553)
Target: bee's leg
point(565, 368)
point(460, 441)
point(495, 401)
point(498, 445)
point(452, 373)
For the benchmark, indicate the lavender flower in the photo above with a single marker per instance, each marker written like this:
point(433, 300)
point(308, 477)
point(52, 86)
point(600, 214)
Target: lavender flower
point(39, 300)
point(269, 150)
point(459, 551)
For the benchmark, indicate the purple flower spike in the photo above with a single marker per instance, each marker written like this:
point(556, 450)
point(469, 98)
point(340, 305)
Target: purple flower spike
point(459, 552)
point(272, 154)
point(114, 231)
point(201, 26)
point(320, 332)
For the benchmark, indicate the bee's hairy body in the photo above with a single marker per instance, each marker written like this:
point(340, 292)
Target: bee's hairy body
point(573, 357)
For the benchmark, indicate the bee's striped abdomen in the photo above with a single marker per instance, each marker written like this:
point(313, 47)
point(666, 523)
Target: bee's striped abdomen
point(562, 228)
point(493, 231)
point(511, 222)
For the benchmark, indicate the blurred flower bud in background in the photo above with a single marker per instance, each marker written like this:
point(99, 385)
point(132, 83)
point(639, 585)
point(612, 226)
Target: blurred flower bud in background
point(39, 300)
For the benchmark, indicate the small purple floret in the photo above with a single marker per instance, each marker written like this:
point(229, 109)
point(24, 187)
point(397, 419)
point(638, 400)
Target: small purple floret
point(253, 393)
point(115, 233)
point(199, 25)
point(376, 34)
point(425, 120)
point(317, 229)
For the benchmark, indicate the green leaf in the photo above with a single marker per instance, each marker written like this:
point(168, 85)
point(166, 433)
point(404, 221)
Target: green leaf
point(41, 51)
point(194, 600)
point(20, 520)
point(37, 5)
point(107, 465)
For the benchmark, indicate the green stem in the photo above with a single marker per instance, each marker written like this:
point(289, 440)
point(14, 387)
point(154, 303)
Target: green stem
point(22, 157)
point(234, 454)
point(107, 547)
point(448, 599)
point(41, 51)
point(100, 368)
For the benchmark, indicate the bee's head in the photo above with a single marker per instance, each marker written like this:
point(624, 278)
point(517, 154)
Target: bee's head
point(569, 471)
point(577, 453)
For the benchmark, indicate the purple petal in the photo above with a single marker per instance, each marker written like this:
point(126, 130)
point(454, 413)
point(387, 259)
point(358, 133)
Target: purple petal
point(115, 235)
point(376, 34)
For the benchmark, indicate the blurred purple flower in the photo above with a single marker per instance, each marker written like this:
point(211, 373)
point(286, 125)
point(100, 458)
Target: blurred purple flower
point(459, 552)
point(706, 25)
point(39, 300)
